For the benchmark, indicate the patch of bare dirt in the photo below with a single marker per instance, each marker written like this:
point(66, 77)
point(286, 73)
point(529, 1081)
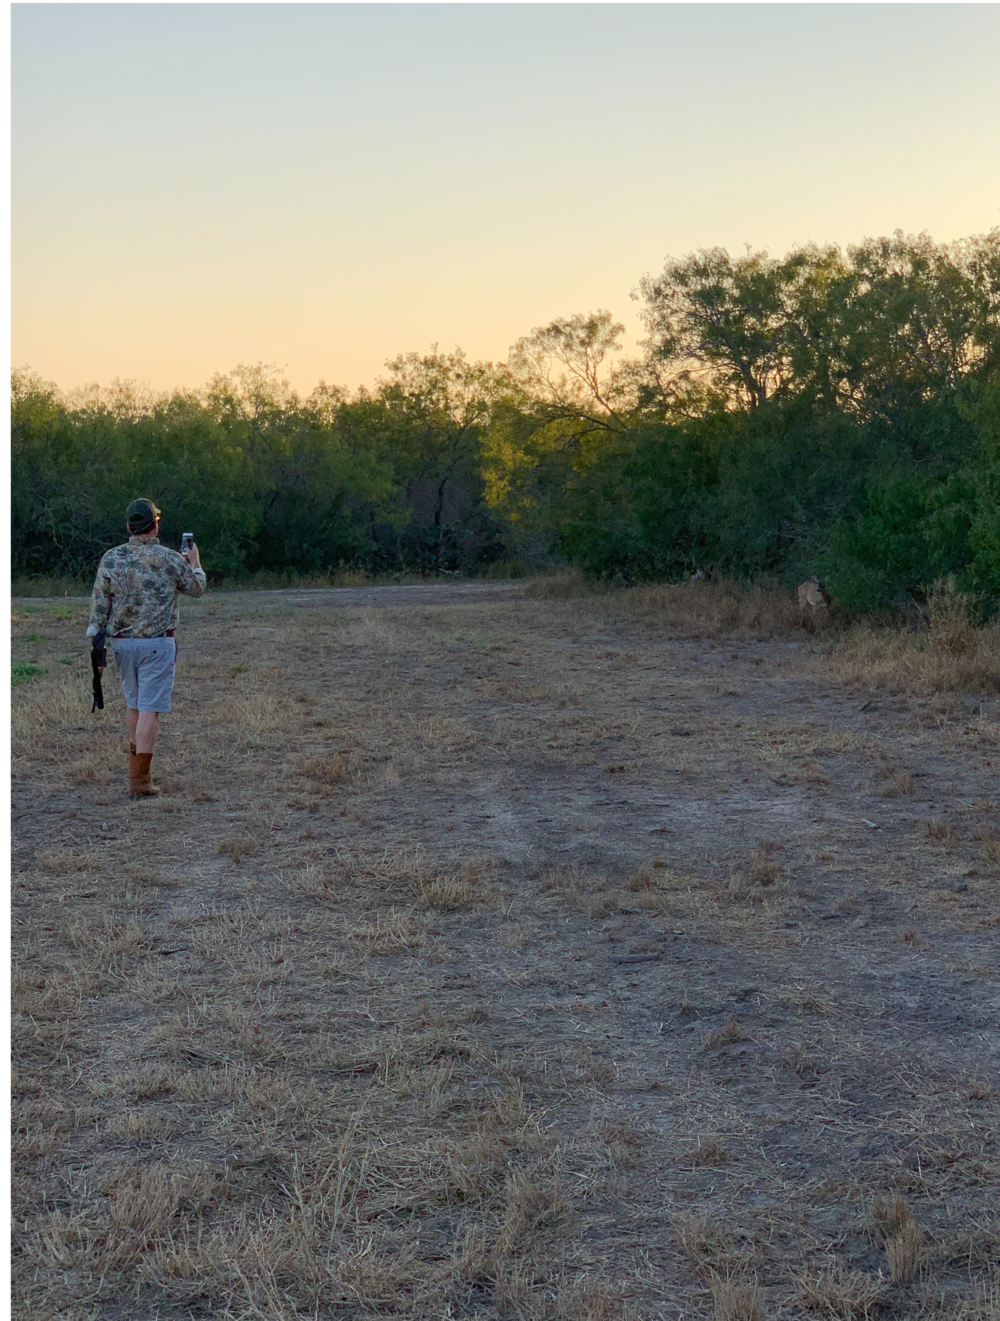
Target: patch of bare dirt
point(507, 957)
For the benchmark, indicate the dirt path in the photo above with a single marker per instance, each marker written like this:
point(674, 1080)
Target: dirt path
point(315, 598)
point(617, 974)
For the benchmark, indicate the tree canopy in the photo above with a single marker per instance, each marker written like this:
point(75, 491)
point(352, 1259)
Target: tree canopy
point(828, 411)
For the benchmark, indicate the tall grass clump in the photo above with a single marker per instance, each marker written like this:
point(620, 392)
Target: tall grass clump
point(951, 649)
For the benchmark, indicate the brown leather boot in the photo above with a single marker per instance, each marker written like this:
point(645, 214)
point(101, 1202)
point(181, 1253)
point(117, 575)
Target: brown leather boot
point(138, 776)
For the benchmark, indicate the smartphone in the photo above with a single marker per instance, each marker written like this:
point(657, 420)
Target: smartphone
point(187, 541)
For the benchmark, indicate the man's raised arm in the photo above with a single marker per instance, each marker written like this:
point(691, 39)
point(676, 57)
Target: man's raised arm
point(191, 580)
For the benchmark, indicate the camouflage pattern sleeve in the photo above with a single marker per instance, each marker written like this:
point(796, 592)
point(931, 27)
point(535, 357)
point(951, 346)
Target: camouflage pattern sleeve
point(101, 600)
point(192, 582)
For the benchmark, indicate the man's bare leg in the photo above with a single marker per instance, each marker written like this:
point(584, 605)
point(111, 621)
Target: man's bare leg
point(142, 727)
point(146, 729)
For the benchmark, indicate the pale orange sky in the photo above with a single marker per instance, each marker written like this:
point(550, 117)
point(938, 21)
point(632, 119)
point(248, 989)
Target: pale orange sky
point(325, 186)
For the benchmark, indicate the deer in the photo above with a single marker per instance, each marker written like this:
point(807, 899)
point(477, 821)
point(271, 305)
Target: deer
point(814, 600)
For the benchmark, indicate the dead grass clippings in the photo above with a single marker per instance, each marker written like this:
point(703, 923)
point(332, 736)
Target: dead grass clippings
point(905, 1251)
point(392, 931)
point(842, 1294)
point(325, 770)
point(708, 1151)
point(380, 1057)
point(530, 1205)
point(710, 1248)
point(902, 785)
point(450, 891)
point(761, 873)
point(811, 1001)
point(737, 1299)
point(980, 1090)
point(564, 584)
point(941, 832)
point(715, 609)
point(920, 663)
point(727, 1035)
point(239, 847)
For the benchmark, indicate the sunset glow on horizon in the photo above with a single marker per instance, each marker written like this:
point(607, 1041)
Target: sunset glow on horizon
point(325, 186)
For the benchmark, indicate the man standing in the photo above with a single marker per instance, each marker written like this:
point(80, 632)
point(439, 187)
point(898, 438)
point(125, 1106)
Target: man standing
point(135, 603)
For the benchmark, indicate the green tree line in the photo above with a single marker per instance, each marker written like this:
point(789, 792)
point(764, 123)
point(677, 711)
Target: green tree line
point(831, 412)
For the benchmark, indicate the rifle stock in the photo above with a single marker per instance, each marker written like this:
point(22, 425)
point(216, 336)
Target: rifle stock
point(98, 661)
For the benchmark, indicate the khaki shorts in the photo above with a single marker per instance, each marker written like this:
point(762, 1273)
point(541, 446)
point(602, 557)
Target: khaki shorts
point(146, 667)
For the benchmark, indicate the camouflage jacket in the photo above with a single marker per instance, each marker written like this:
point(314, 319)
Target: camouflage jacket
point(135, 593)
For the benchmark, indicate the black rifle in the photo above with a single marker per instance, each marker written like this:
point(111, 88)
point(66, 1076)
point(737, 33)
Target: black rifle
point(98, 660)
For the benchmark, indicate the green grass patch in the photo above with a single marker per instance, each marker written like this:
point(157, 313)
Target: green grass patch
point(65, 611)
point(43, 586)
point(23, 672)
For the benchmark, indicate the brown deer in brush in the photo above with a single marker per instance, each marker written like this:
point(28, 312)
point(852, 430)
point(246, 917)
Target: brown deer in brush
point(814, 602)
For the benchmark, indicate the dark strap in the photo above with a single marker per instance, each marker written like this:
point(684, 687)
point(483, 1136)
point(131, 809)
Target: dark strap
point(98, 660)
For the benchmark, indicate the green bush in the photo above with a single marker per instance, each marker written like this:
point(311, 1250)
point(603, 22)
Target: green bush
point(825, 412)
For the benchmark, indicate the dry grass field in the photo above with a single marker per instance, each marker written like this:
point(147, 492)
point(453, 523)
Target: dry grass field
point(510, 953)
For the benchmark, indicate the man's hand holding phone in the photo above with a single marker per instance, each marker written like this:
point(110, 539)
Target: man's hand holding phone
point(190, 550)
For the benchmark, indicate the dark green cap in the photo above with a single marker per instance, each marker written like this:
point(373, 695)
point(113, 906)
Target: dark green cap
point(140, 517)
